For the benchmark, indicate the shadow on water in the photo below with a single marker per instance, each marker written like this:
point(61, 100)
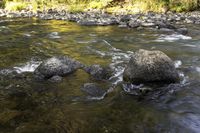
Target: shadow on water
point(29, 106)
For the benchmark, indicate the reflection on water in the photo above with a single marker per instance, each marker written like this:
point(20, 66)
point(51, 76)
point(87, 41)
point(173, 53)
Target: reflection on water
point(29, 106)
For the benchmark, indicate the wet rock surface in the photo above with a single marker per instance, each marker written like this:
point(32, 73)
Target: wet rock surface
point(55, 79)
point(56, 66)
point(150, 66)
point(98, 72)
point(93, 90)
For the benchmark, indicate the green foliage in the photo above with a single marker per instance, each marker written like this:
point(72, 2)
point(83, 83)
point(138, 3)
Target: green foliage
point(130, 6)
point(183, 5)
point(15, 6)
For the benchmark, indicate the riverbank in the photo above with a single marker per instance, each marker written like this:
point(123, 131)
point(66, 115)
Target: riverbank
point(174, 22)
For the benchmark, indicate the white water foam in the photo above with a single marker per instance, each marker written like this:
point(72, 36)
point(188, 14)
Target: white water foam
point(3, 28)
point(118, 60)
point(54, 35)
point(198, 69)
point(27, 35)
point(112, 48)
point(172, 38)
point(87, 42)
point(28, 67)
point(177, 63)
point(184, 78)
point(100, 53)
point(189, 45)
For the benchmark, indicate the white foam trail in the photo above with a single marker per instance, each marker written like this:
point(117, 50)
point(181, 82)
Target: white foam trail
point(172, 38)
point(177, 63)
point(97, 51)
point(54, 35)
point(119, 57)
point(118, 60)
point(189, 45)
point(27, 35)
point(198, 69)
point(28, 67)
point(97, 98)
point(87, 42)
point(2, 28)
point(113, 48)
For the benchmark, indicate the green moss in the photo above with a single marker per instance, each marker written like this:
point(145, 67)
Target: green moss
point(15, 6)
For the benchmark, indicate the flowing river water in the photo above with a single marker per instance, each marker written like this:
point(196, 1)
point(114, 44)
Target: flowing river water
point(29, 106)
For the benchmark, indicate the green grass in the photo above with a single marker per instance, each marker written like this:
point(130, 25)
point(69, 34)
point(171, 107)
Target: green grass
point(127, 6)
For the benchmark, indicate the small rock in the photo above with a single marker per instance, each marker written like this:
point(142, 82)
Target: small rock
point(93, 90)
point(183, 31)
point(98, 72)
point(134, 24)
point(55, 79)
point(148, 24)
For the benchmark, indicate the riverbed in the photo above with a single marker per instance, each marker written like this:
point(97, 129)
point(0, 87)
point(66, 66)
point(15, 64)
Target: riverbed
point(29, 106)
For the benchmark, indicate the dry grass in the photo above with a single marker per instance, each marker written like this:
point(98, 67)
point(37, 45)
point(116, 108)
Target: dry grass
point(129, 6)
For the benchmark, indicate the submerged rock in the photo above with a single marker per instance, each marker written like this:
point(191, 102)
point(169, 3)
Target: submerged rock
point(98, 72)
point(183, 31)
point(59, 66)
point(55, 79)
point(150, 66)
point(93, 90)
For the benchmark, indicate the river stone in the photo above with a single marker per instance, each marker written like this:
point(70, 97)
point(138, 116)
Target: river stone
point(150, 66)
point(56, 66)
point(86, 22)
point(93, 90)
point(182, 31)
point(55, 79)
point(98, 72)
point(133, 24)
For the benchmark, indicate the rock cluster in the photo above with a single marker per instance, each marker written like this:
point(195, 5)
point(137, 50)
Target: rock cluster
point(54, 68)
point(168, 20)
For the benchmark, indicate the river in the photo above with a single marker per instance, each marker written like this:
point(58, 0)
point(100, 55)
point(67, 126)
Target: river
point(29, 106)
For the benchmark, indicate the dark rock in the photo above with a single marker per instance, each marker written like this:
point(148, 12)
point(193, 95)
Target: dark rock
point(183, 31)
point(52, 11)
point(98, 72)
point(96, 22)
point(88, 22)
point(150, 66)
point(59, 66)
point(55, 79)
point(93, 90)
point(164, 25)
point(125, 18)
point(133, 24)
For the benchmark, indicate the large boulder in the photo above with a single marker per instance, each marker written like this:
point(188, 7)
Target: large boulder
point(56, 66)
point(150, 66)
